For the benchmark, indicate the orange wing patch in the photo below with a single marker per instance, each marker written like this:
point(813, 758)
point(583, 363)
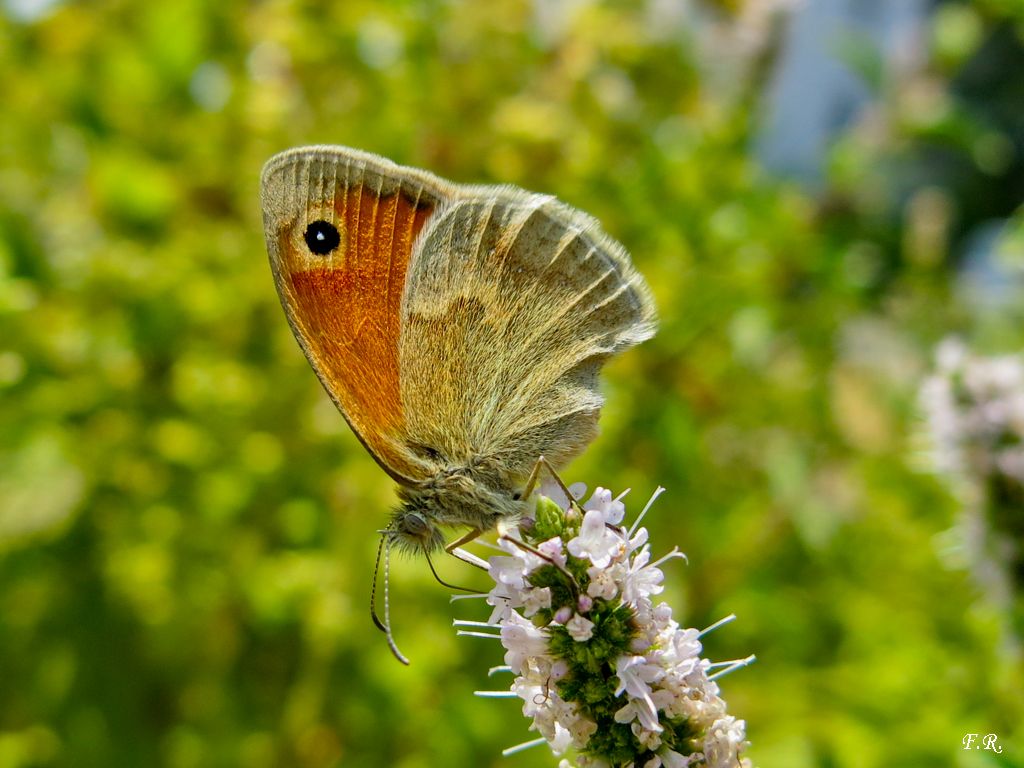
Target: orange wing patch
point(344, 306)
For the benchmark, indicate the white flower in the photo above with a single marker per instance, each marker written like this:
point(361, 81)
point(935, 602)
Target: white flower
point(562, 740)
point(641, 580)
point(602, 501)
point(975, 411)
point(533, 693)
point(650, 740)
point(535, 600)
point(508, 571)
point(602, 583)
point(522, 640)
point(502, 611)
point(580, 629)
point(635, 676)
point(725, 738)
point(638, 540)
point(553, 549)
point(582, 729)
point(974, 406)
point(595, 541)
point(642, 710)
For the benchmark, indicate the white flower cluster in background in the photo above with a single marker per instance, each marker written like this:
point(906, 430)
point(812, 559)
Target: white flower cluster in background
point(975, 411)
point(975, 416)
point(600, 666)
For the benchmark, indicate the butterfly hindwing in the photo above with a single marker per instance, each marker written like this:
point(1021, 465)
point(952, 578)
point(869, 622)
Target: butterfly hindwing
point(513, 303)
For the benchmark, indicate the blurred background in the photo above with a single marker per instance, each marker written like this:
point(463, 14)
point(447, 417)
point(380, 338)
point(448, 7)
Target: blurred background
point(819, 193)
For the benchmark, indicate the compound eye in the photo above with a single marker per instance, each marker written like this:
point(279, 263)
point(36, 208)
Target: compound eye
point(414, 524)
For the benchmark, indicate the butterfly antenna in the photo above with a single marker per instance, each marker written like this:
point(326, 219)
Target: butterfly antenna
point(441, 581)
point(373, 587)
point(387, 606)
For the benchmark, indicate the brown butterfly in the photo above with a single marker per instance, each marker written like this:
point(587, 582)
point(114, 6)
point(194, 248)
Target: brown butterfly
point(459, 329)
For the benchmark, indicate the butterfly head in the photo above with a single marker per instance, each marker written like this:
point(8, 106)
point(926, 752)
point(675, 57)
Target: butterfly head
point(412, 528)
point(455, 497)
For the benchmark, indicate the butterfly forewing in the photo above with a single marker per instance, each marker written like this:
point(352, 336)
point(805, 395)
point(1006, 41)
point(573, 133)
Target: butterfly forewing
point(343, 303)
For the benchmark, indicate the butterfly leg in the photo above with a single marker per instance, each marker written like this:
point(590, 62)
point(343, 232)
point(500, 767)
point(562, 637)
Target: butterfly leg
point(534, 551)
point(454, 548)
point(532, 481)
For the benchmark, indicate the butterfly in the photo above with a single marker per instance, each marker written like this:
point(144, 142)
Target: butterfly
point(459, 329)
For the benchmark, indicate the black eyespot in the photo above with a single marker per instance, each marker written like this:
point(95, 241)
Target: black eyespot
point(322, 237)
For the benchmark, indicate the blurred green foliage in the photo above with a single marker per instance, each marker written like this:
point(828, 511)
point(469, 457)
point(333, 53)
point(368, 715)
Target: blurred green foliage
point(186, 524)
